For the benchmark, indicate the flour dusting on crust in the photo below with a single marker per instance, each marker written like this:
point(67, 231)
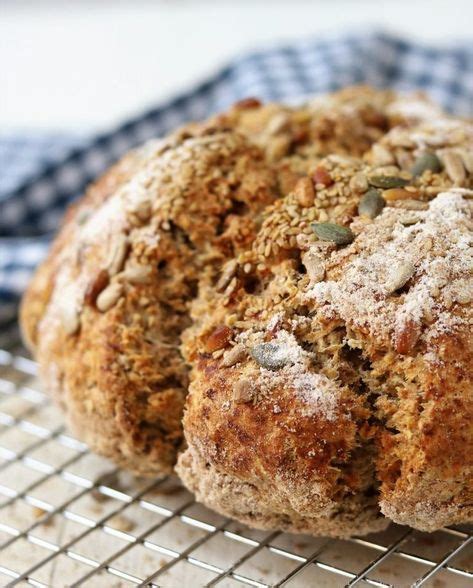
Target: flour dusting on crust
point(318, 394)
point(433, 261)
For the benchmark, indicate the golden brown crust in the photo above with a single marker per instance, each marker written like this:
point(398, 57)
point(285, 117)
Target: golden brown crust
point(185, 204)
point(338, 416)
point(394, 425)
point(118, 286)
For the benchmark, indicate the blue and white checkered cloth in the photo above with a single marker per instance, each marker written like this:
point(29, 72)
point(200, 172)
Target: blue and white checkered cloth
point(40, 175)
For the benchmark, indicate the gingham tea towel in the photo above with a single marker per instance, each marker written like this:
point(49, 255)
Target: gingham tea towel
point(40, 175)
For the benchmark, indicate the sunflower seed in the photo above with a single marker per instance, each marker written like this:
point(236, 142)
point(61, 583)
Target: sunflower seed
point(278, 123)
point(109, 297)
point(426, 161)
point(381, 156)
point(467, 158)
point(231, 286)
point(142, 209)
point(333, 232)
point(403, 159)
point(409, 204)
point(399, 277)
point(388, 182)
point(70, 319)
point(136, 274)
point(96, 285)
point(454, 167)
point(398, 194)
point(234, 355)
point(371, 204)
point(118, 253)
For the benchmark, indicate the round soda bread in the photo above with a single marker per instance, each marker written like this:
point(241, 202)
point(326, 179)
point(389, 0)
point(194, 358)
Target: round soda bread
point(306, 273)
point(104, 313)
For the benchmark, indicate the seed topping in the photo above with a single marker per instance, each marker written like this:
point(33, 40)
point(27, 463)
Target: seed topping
point(234, 355)
point(322, 177)
point(227, 275)
point(136, 274)
point(372, 204)
point(70, 319)
point(400, 276)
point(426, 161)
point(305, 192)
point(386, 182)
point(272, 356)
point(218, 339)
point(454, 167)
point(98, 283)
point(398, 194)
point(109, 297)
point(333, 232)
point(118, 253)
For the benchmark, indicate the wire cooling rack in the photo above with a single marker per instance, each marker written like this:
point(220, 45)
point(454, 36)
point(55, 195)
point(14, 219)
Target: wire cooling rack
point(69, 518)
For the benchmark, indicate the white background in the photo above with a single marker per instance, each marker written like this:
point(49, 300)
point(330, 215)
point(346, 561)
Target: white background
point(85, 65)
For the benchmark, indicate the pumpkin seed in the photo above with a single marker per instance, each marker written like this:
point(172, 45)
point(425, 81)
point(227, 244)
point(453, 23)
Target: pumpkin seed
point(333, 232)
point(454, 167)
point(371, 204)
point(271, 356)
point(386, 182)
point(410, 220)
point(426, 161)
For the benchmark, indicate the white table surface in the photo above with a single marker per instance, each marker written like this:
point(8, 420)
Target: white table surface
point(83, 65)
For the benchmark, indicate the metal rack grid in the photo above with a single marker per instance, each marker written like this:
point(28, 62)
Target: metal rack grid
point(69, 518)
